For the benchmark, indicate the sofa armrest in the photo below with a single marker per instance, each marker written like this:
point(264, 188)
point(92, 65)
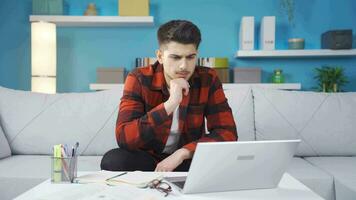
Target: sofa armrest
point(5, 150)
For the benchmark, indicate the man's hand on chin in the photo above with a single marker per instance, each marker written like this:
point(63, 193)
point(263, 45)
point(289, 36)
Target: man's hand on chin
point(173, 161)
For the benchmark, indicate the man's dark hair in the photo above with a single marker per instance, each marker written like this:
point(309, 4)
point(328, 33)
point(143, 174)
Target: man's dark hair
point(180, 31)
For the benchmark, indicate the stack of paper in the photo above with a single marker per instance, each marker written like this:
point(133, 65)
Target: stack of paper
point(102, 192)
point(136, 178)
point(97, 177)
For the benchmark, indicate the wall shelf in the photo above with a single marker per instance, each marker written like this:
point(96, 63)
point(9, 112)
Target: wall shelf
point(276, 86)
point(282, 86)
point(295, 53)
point(105, 86)
point(94, 21)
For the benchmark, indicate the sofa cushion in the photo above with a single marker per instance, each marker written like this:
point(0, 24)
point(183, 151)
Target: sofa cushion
point(37, 122)
point(240, 101)
point(31, 166)
point(339, 167)
point(316, 179)
point(343, 169)
point(310, 116)
point(22, 172)
point(5, 150)
point(345, 189)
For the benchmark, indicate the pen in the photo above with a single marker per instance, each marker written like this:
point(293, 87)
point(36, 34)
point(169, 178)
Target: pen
point(116, 176)
point(63, 152)
point(66, 150)
point(74, 149)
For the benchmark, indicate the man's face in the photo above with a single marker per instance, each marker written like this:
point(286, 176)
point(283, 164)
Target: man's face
point(178, 60)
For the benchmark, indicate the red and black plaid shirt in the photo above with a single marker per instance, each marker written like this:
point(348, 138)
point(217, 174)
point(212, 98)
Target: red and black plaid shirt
point(143, 122)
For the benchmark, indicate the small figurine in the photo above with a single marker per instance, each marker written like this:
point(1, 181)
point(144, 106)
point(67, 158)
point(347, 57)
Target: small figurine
point(91, 10)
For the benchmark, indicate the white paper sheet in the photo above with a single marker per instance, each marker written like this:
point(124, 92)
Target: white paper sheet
point(103, 192)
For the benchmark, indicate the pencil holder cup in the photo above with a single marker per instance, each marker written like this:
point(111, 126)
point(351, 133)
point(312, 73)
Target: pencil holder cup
point(63, 169)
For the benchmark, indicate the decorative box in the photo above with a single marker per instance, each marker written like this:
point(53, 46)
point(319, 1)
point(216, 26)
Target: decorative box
point(47, 7)
point(247, 75)
point(247, 33)
point(337, 39)
point(110, 75)
point(221, 63)
point(134, 7)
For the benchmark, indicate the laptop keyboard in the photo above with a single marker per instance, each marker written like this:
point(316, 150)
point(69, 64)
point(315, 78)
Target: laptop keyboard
point(180, 184)
point(178, 180)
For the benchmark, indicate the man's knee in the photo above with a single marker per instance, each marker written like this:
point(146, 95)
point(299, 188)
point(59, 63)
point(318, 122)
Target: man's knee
point(123, 160)
point(112, 160)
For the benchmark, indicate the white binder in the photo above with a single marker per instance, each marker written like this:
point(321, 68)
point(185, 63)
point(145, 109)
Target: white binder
point(267, 33)
point(247, 33)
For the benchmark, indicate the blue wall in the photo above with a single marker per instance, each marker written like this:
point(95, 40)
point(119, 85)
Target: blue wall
point(82, 50)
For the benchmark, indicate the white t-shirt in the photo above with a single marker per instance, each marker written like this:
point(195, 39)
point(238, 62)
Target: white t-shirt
point(174, 135)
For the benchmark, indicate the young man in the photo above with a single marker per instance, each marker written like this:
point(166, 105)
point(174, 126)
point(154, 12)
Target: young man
point(162, 110)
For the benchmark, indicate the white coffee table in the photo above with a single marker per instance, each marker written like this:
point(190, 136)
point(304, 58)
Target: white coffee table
point(289, 188)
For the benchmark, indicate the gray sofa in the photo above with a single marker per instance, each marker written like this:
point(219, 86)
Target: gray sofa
point(31, 123)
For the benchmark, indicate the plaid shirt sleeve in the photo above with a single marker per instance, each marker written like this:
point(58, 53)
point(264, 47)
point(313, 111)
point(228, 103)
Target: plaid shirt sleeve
point(134, 127)
point(220, 121)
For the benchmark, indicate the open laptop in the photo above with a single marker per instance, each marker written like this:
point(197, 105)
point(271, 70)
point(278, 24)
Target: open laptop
point(226, 166)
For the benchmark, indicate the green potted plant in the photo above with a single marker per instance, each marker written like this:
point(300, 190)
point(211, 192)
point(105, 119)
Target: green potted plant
point(288, 7)
point(330, 79)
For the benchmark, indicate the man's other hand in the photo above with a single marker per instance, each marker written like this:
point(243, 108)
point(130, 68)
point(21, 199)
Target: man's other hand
point(173, 161)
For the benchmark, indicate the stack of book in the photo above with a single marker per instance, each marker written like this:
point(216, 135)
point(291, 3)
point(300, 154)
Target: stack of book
point(221, 66)
point(144, 61)
point(214, 62)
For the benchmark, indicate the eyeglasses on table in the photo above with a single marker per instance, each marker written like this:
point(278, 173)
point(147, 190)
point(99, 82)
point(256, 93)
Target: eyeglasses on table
point(161, 186)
